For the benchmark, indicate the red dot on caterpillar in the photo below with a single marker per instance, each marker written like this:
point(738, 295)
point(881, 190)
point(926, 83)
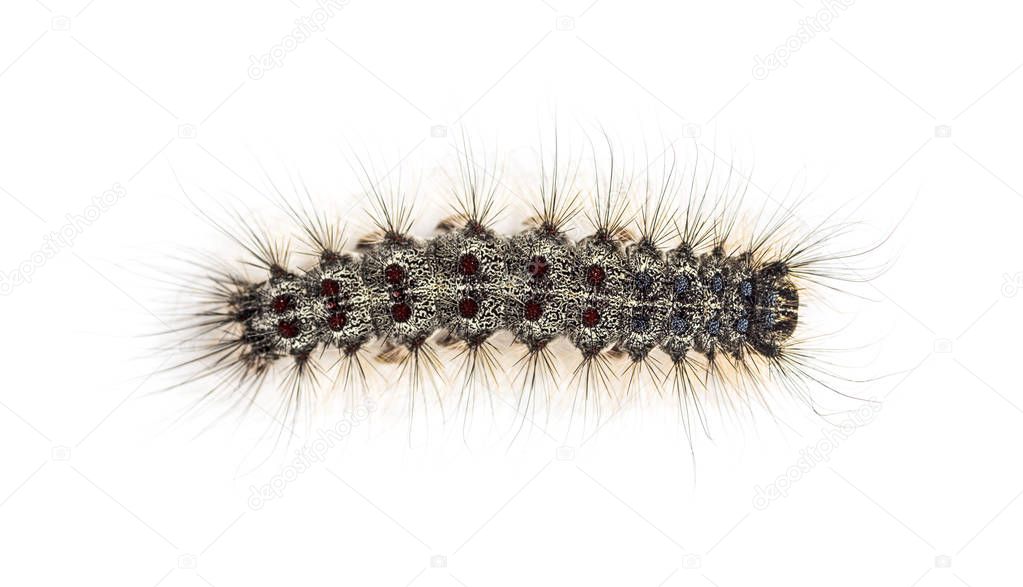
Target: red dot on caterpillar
point(591, 317)
point(595, 275)
point(394, 273)
point(468, 264)
point(467, 308)
point(329, 288)
point(532, 311)
point(537, 266)
point(337, 321)
point(287, 328)
point(401, 312)
point(282, 303)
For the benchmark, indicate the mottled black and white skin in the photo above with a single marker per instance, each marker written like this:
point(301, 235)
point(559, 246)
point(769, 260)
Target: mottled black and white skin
point(472, 283)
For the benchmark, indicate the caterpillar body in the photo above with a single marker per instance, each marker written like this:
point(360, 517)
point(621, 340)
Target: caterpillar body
point(669, 293)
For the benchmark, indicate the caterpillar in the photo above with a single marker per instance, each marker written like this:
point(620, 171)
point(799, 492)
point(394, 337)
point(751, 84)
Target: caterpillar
point(660, 286)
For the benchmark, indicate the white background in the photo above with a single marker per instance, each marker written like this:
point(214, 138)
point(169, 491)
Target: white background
point(907, 106)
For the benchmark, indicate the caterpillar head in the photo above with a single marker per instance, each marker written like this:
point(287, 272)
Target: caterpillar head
point(776, 311)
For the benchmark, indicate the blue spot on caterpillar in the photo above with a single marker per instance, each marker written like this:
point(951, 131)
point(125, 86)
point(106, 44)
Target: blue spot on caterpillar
point(673, 285)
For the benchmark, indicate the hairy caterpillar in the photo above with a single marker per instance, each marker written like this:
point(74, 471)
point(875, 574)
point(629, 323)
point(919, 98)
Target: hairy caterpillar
point(662, 286)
